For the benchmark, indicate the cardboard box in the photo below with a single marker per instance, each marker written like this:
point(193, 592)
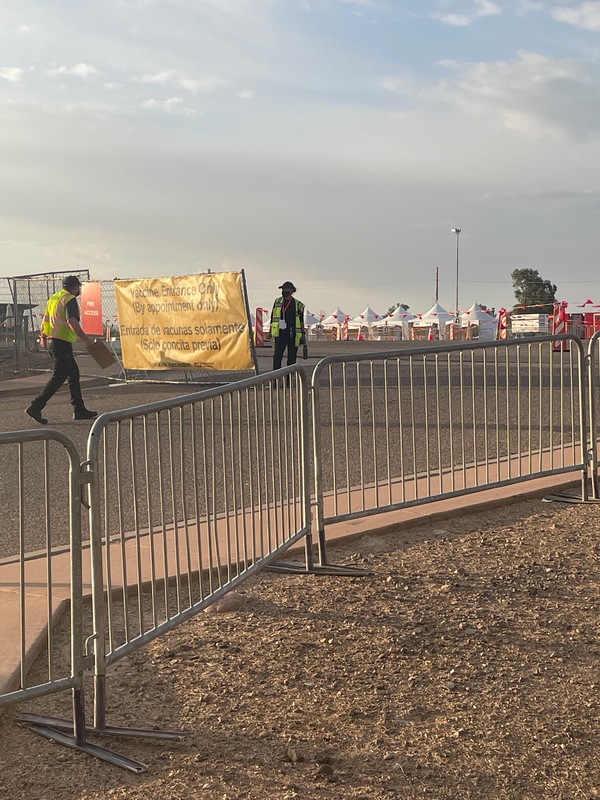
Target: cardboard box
point(101, 354)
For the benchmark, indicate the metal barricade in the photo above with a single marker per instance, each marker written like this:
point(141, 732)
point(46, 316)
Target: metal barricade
point(34, 508)
point(42, 489)
point(189, 497)
point(399, 429)
point(593, 359)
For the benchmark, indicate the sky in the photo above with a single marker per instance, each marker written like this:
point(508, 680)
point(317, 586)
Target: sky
point(333, 143)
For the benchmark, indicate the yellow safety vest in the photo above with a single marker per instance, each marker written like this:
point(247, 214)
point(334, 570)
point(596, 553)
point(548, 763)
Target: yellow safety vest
point(276, 315)
point(54, 324)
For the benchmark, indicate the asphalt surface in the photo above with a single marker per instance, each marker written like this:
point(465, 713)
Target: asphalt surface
point(448, 410)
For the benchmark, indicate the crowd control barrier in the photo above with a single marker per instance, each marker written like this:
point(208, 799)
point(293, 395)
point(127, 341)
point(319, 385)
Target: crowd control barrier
point(594, 404)
point(46, 468)
point(403, 428)
point(190, 496)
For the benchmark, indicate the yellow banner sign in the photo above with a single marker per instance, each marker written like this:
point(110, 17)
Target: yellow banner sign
point(184, 322)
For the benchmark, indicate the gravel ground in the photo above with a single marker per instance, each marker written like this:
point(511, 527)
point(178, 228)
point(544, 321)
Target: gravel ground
point(466, 666)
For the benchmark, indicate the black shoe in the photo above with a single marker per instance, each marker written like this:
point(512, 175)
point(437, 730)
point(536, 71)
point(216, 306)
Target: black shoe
point(84, 413)
point(36, 413)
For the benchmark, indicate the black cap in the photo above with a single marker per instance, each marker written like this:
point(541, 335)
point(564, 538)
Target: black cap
point(71, 280)
point(288, 285)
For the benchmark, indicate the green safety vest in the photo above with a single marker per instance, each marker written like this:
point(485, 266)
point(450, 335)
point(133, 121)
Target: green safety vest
point(276, 315)
point(54, 324)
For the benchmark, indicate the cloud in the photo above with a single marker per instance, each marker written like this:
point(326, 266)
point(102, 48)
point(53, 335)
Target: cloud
point(378, 4)
point(534, 95)
point(170, 106)
point(12, 74)
point(585, 15)
point(24, 30)
point(245, 94)
point(79, 71)
point(481, 8)
point(171, 77)
point(542, 200)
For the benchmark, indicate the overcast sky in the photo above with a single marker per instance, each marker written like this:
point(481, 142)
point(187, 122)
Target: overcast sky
point(333, 143)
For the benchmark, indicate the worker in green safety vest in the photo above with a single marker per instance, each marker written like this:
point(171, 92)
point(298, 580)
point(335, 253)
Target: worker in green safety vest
point(60, 328)
point(287, 326)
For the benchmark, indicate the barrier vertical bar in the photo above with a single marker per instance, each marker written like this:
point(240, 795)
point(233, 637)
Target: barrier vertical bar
point(592, 361)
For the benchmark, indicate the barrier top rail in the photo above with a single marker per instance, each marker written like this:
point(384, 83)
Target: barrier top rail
point(454, 347)
point(36, 435)
point(187, 399)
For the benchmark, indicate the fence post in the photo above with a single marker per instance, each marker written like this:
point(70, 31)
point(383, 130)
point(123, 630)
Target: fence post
point(592, 370)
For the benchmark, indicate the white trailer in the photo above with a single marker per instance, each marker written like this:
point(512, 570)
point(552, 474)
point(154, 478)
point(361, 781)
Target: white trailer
point(529, 324)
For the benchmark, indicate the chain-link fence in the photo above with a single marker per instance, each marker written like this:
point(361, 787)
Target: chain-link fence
point(22, 305)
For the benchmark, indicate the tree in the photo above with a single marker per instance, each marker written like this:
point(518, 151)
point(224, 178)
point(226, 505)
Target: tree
point(391, 309)
point(534, 295)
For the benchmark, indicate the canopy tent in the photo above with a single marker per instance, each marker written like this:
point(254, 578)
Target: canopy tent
point(310, 318)
point(485, 324)
point(398, 318)
point(476, 314)
point(391, 325)
point(435, 316)
point(364, 320)
point(337, 318)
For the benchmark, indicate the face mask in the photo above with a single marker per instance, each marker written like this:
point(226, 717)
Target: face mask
point(286, 292)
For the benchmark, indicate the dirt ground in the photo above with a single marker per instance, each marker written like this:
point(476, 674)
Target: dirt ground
point(466, 666)
point(29, 363)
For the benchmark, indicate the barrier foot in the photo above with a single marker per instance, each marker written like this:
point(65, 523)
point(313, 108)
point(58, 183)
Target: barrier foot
point(573, 499)
point(109, 730)
point(318, 569)
point(59, 736)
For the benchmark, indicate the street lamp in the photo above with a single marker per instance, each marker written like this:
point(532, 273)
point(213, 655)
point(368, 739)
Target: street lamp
point(457, 232)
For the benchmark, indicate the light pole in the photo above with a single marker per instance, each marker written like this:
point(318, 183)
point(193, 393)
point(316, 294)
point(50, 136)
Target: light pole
point(457, 232)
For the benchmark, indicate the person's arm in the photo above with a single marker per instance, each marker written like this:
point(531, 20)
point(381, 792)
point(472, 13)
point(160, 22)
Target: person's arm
point(73, 323)
point(302, 328)
point(268, 331)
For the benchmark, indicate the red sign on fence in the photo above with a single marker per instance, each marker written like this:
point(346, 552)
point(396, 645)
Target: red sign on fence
point(91, 309)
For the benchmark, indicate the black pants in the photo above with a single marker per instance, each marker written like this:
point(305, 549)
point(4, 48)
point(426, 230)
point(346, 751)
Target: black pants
point(65, 369)
point(281, 342)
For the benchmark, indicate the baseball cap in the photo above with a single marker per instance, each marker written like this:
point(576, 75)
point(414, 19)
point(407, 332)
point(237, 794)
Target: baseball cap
point(71, 280)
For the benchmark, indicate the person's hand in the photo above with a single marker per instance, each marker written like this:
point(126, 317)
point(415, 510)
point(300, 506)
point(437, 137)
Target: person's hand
point(303, 339)
point(268, 337)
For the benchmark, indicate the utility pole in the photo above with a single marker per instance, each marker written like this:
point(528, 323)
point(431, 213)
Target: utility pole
point(457, 232)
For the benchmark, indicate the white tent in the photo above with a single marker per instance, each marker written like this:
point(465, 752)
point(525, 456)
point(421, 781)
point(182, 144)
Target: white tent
point(310, 318)
point(435, 316)
point(336, 318)
point(366, 319)
point(486, 324)
point(476, 314)
point(398, 318)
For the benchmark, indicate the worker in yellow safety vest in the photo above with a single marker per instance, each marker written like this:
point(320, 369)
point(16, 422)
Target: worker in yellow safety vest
point(60, 329)
point(287, 326)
